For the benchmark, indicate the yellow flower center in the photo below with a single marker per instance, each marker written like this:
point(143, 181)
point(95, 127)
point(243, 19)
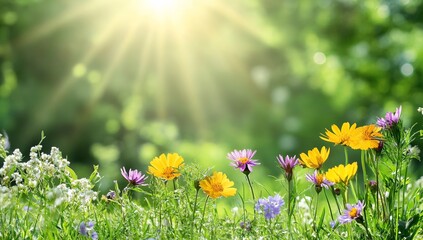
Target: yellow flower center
point(353, 213)
point(243, 160)
point(217, 187)
point(168, 172)
point(319, 179)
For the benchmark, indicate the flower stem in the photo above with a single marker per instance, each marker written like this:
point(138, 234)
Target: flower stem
point(315, 212)
point(251, 187)
point(330, 208)
point(202, 218)
point(193, 214)
point(403, 192)
point(346, 155)
point(289, 208)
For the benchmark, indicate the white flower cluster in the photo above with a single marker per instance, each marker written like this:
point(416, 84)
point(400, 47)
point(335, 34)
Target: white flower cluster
point(304, 209)
point(80, 194)
point(11, 163)
point(43, 174)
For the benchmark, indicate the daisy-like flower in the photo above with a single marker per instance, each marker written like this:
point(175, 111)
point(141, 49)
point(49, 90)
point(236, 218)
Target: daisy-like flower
point(319, 180)
point(339, 136)
point(341, 173)
point(270, 206)
point(134, 177)
point(288, 163)
point(315, 158)
point(166, 166)
point(366, 137)
point(218, 185)
point(242, 159)
point(353, 212)
point(390, 119)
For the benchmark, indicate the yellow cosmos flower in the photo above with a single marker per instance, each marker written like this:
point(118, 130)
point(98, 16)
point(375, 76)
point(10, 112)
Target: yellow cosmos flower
point(314, 158)
point(218, 185)
point(166, 167)
point(341, 173)
point(366, 137)
point(339, 136)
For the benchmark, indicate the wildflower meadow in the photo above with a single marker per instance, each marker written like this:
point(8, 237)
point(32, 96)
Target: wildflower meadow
point(373, 197)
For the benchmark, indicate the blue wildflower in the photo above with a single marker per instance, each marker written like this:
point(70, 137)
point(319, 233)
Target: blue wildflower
point(270, 206)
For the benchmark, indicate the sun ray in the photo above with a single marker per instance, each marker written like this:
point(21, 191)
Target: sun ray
point(44, 114)
point(145, 54)
point(63, 18)
point(186, 73)
point(223, 9)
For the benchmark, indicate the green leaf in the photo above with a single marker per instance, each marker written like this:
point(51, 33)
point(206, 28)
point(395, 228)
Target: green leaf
point(94, 177)
point(72, 173)
point(321, 219)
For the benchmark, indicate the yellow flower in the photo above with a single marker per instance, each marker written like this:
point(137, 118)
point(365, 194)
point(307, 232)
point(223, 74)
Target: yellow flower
point(341, 173)
point(339, 136)
point(166, 167)
point(218, 185)
point(366, 137)
point(314, 158)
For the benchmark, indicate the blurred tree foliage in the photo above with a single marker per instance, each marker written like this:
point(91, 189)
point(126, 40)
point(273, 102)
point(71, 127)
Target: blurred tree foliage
point(119, 82)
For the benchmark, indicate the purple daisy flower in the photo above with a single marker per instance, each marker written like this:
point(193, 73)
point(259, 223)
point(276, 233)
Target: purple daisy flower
point(270, 206)
point(288, 163)
point(242, 159)
point(390, 119)
point(134, 177)
point(319, 180)
point(352, 212)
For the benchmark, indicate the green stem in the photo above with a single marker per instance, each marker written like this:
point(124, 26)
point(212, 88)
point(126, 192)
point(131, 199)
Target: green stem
point(289, 209)
point(202, 218)
point(330, 208)
point(336, 199)
point(251, 187)
point(193, 214)
point(397, 169)
point(363, 166)
point(346, 155)
point(403, 192)
point(315, 212)
point(365, 216)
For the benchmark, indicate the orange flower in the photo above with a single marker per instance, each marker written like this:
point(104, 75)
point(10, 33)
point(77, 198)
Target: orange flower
point(166, 167)
point(339, 136)
point(218, 185)
point(341, 173)
point(366, 137)
point(314, 158)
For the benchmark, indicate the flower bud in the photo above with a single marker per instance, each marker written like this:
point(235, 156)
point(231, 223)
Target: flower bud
point(337, 191)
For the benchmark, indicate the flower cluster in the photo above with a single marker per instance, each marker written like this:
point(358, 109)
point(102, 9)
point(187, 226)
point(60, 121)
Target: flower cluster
point(270, 206)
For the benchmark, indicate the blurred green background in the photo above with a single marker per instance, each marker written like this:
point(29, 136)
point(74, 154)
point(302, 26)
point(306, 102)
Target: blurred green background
point(117, 82)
